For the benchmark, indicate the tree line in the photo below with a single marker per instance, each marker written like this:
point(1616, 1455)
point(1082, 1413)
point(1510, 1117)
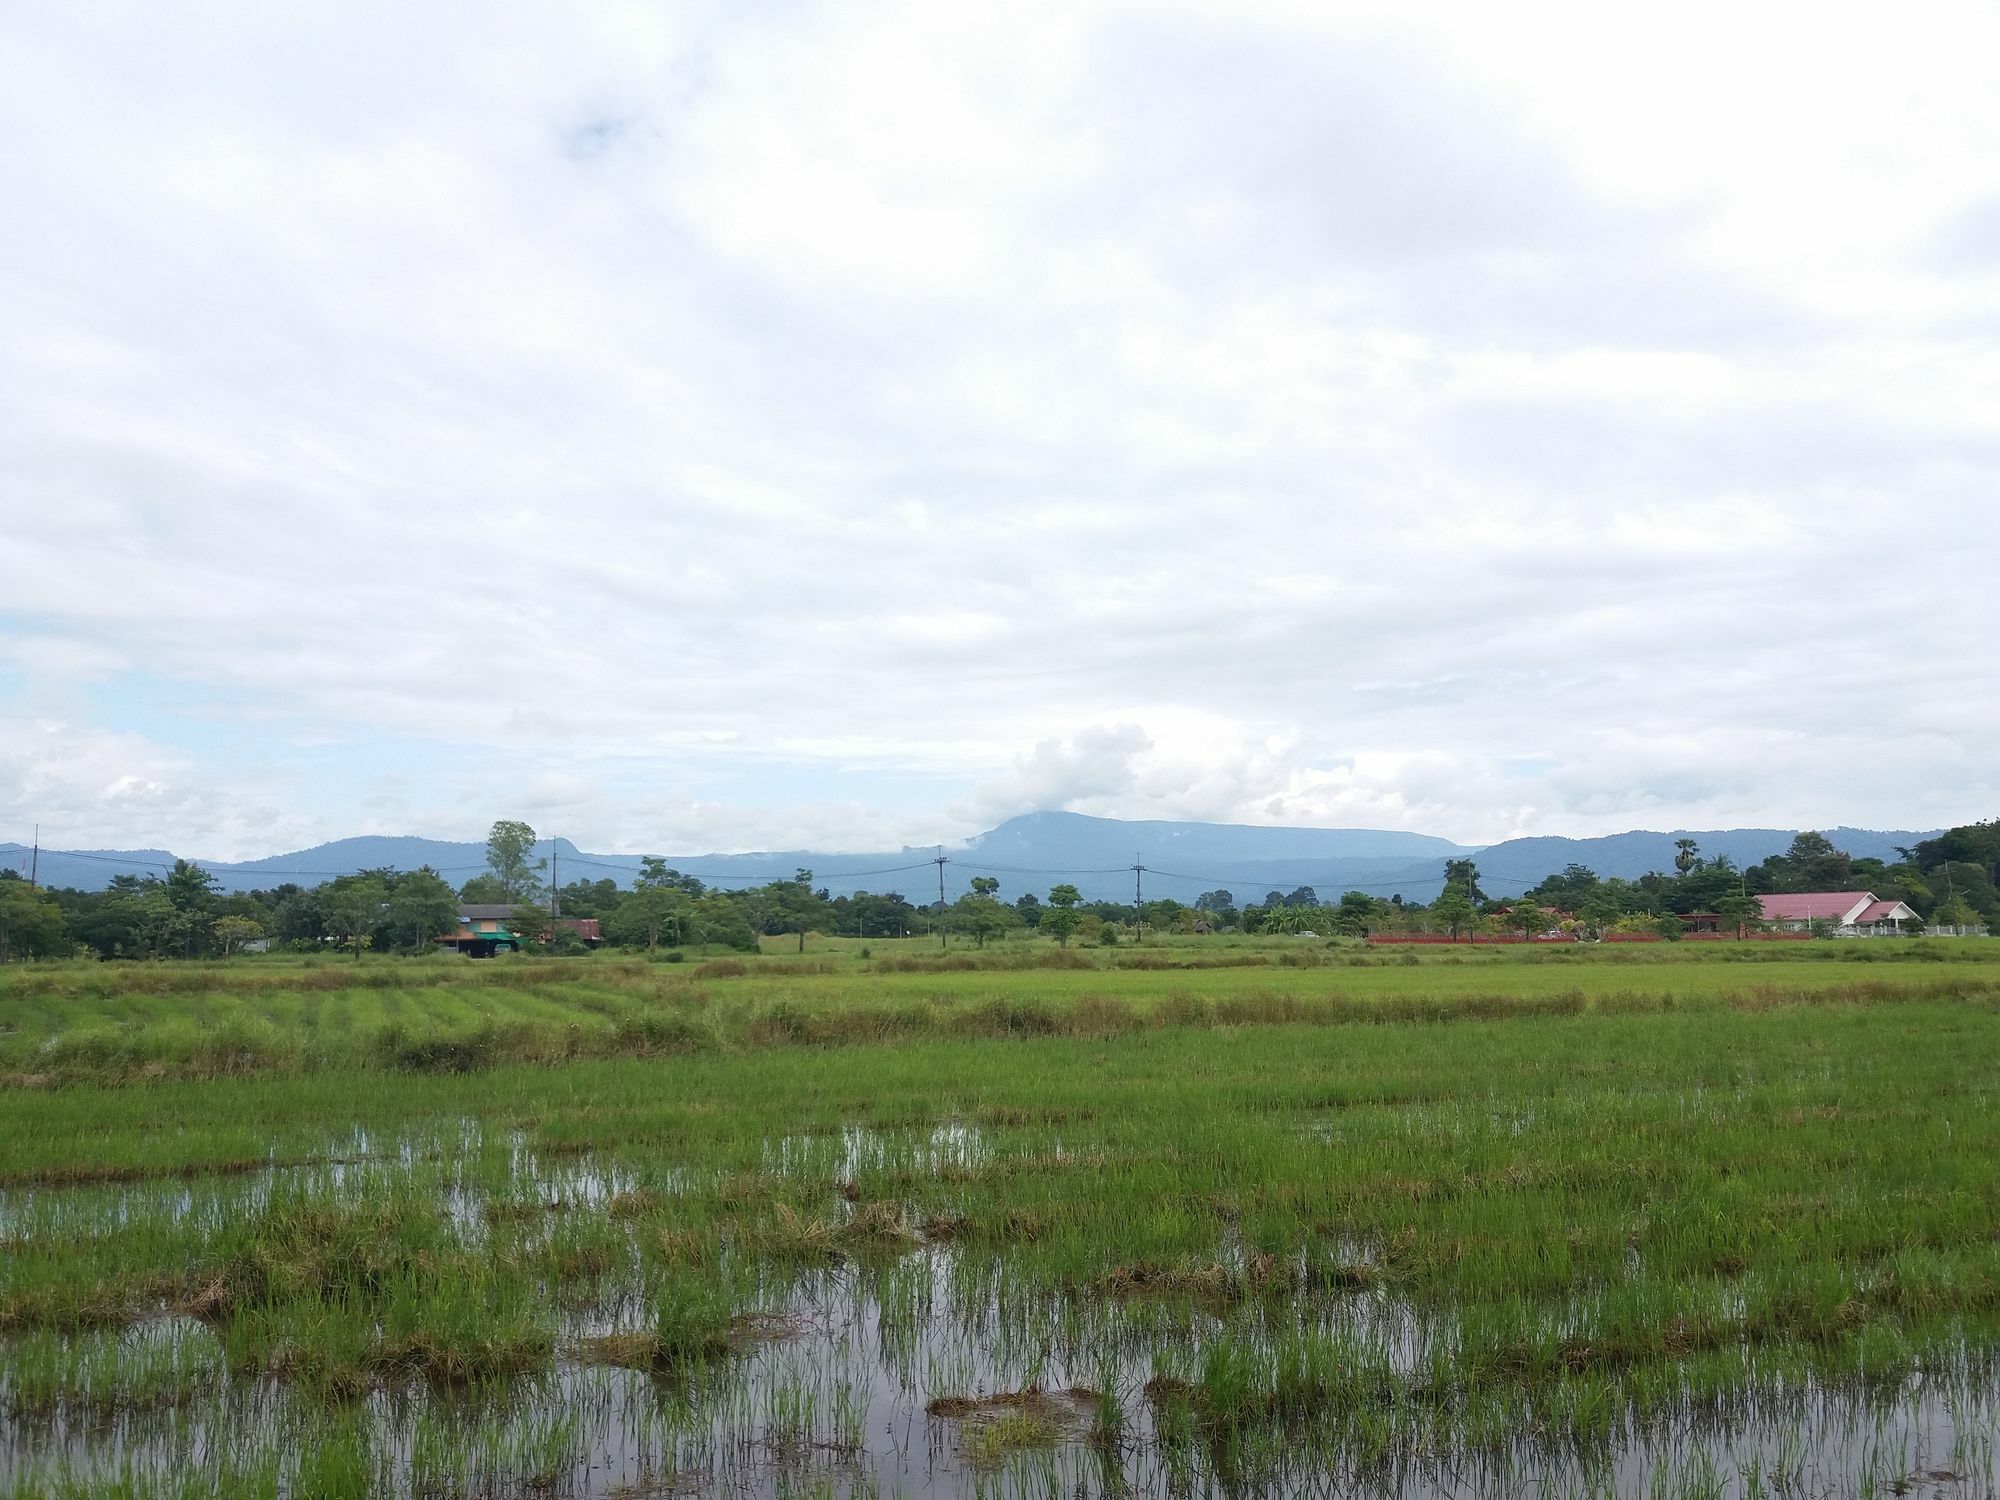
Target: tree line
point(1949, 880)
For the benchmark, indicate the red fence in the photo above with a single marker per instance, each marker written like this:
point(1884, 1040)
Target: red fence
point(1488, 939)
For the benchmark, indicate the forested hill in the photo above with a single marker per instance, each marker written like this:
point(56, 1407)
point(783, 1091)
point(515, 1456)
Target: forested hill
point(1509, 868)
point(1027, 854)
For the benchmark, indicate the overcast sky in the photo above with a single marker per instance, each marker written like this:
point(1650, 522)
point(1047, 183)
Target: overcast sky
point(763, 425)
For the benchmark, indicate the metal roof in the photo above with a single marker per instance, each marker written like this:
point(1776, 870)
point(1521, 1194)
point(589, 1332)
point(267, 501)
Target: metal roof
point(1834, 906)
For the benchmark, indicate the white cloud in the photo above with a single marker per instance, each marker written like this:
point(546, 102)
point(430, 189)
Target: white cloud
point(677, 419)
point(87, 788)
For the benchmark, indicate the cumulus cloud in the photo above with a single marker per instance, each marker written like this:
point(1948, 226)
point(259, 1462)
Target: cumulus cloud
point(92, 787)
point(1094, 767)
point(766, 428)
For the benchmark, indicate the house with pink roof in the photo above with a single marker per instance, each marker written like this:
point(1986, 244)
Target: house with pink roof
point(1854, 913)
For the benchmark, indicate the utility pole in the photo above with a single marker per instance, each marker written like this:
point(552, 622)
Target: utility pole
point(1138, 902)
point(940, 863)
point(35, 860)
point(555, 887)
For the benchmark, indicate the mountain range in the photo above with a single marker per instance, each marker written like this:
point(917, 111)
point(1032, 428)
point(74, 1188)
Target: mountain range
point(1030, 853)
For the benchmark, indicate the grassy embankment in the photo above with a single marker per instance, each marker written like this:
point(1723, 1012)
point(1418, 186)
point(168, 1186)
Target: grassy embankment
point(1271, 1221)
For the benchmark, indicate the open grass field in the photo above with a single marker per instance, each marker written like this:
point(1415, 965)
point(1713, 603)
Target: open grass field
point(1183, 1219)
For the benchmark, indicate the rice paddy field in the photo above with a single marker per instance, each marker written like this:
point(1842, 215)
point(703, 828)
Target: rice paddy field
point(1189, 1219)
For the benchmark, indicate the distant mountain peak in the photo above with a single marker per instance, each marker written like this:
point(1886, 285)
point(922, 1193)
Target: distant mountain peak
point(1029, 852)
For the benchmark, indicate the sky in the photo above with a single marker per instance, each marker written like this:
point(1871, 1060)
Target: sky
point(754, 425)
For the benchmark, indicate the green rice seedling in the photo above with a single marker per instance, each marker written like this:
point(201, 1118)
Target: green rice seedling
point(992, 1443)
point(1354, 1221)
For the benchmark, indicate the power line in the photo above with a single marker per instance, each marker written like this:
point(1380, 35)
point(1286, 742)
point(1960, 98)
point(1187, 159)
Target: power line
point(25, 856)
point(1018, 870)
point(126, 862)
point(764, 876)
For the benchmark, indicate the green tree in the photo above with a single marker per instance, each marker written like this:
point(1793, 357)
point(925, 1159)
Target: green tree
point(110, 927)
point(1816, 865)
point(508, 847)
point(1453, 910)
point(1600, 909)
point(1289, 919)
point(163, 927)
point(483, 890)
point(1968, 844)
point(354, 907)
point(1529, 919)
point(421, 909)
point(1972, 882)
point(789, 906)
point(191, 889)
point(1464, 874)
point(658, 902)
point(720, 918)
point(1062, 919)
point(531, 925)
point(1569, 891)
point(590, 898)
point(1955, 912)
point(1740, 910)
point(981, 912)
point(1685, 854)
point(1220, 907)
point(31, 925)
point(234, 931)
point(1357, 912)
point(1703, 888)
point(301, 917)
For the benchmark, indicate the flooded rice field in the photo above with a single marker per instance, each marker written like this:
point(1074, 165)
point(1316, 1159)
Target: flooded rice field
point(457, 1311)
point(953, 1238)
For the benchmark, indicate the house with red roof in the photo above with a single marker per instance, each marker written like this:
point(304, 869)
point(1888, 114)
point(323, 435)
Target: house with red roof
point(1853, 913)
